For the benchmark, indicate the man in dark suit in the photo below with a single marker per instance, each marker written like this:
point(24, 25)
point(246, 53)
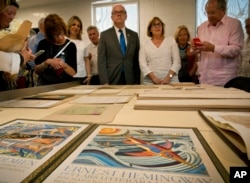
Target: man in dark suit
point(117, 66)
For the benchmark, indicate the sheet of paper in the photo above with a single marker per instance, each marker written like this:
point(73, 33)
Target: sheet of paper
point(106, 91)
point(239, 121)
point(96, 113)
point(102, 99)
point(30, 103)
point(191, 104)
point(71, 91)
point(193, 95)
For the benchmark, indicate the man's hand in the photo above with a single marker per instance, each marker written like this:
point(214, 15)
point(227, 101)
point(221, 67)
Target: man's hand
point(205, 46)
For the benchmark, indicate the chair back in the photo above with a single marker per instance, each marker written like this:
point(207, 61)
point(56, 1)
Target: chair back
point(239, 82)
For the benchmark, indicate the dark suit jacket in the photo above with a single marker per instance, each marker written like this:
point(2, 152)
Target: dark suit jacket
point(111, 60)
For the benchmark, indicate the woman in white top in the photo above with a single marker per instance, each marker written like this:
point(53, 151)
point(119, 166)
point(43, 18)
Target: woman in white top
point(75, 34)
point(159, 56)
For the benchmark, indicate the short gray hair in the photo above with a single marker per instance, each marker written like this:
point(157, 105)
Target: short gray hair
point(92, 27)
point(221, 4)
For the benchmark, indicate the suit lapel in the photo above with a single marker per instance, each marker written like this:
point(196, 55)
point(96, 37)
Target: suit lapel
point(128, 36)
point(115, 38)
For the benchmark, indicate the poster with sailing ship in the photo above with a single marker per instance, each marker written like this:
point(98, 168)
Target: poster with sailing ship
point(115, 153)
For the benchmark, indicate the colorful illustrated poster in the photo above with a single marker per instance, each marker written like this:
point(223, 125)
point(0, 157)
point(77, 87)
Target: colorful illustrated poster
point(135, 154)
point(27, 147)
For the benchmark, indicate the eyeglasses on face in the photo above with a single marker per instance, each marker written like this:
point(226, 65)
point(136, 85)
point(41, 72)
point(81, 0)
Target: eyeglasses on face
point(118, 12)
point(157, 25)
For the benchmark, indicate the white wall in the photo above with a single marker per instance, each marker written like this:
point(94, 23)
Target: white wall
point(173, 13)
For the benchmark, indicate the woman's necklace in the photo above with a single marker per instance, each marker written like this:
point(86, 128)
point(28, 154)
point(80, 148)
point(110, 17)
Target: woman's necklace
point(183, 48)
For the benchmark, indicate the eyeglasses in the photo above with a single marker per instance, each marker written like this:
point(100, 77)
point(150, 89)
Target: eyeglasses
point(118, 12)
point(157, 25)
point(211, 13)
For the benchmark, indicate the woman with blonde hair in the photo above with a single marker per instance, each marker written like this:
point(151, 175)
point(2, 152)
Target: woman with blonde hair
point(187, 73)
point(74, 31)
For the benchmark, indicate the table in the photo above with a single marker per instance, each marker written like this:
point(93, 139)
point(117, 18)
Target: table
point(128, 116)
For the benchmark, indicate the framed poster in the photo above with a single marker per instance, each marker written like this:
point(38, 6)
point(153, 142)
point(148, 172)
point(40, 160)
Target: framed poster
point(28, 147)
point(114, 153)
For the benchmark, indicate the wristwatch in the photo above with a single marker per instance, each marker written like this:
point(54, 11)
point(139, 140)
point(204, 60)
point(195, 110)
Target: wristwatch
point(171, 75)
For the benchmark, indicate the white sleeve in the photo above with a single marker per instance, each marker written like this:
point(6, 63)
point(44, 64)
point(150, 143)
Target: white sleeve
point(86, 53)
point(175, 57)
point(10, 62)
point(143, 60)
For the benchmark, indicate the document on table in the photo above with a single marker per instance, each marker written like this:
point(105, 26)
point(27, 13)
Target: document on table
point(102, 99)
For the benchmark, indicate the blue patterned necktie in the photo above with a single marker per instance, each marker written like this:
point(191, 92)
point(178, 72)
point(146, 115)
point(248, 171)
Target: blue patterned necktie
point(122, 42)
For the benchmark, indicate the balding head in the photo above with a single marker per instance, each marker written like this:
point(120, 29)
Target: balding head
point(119, 15)
point(216, 10)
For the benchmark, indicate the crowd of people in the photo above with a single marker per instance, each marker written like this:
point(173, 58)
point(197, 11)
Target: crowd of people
point(116, 56)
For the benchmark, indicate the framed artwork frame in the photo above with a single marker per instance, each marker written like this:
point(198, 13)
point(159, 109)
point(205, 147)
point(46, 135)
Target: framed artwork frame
point(122, 153)
point(29, 148)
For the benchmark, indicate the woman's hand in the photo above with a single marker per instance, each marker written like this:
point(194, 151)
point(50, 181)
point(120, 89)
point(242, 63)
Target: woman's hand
point(166, 81)
point(87, 80)
point(56, 63)
point(154, 79)
point(168, 77)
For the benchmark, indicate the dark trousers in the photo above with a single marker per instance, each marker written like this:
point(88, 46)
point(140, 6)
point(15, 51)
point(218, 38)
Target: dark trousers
point(95, 80)
point(122, 80)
